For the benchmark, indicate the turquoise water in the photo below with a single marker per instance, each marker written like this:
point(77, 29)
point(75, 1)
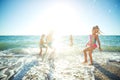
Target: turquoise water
point(108, 43)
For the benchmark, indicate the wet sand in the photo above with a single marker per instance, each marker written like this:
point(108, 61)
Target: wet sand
point(109, 71)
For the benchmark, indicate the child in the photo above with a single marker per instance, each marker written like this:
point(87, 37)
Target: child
point(50, 39)
point(71, 40)
point(92, 44)
point(42, 44)
point(50, 43)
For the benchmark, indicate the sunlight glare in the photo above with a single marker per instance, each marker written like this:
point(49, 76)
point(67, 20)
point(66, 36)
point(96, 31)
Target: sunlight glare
point(61, 17)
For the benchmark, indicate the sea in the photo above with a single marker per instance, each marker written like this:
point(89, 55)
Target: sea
point(19, 57)
point(30, 44)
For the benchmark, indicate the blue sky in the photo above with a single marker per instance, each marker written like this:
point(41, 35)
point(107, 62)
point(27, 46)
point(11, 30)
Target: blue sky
point(34, 17)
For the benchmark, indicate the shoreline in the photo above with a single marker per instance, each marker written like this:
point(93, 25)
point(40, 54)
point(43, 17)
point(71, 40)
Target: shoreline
point(106, 66)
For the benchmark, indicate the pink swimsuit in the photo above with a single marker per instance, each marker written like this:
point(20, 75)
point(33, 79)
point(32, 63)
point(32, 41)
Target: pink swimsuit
point(92, 42)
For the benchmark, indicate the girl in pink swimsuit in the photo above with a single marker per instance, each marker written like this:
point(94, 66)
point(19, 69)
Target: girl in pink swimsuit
point(92, 42)
point(91, 45)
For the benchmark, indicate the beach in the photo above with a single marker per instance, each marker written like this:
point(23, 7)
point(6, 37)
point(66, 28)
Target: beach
point(22, 62)
point(63, 67)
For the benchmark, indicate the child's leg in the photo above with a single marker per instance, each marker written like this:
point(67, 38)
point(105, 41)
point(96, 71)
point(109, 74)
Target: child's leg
point(90, 55)
point(85, 55)
point(40, 51)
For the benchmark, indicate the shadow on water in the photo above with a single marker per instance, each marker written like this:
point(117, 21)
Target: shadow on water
point(107, 73)
point(24, 70)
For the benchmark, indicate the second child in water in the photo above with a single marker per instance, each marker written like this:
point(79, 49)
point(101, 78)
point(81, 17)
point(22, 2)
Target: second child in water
point(42, 44)
point(91, 45)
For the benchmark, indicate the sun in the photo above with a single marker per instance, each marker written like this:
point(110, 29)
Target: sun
point(60, 17)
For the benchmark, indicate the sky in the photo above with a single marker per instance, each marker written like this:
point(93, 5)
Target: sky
point(77, 17)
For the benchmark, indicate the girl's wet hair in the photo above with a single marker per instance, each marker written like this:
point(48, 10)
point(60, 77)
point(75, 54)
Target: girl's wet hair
point(95, 27)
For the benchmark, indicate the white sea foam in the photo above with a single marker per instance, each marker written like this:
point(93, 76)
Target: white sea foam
point(65, 66)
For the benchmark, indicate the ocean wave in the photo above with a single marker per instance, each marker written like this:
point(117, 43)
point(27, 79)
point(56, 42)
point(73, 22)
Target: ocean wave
point(10, 45)
point(19, 51)
point(4, 45)
point(19, 44)
point(111, 48)
point(32, 51)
